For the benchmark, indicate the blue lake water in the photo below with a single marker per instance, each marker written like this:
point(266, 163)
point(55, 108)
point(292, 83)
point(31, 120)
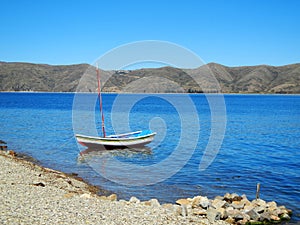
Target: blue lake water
point(261, 143)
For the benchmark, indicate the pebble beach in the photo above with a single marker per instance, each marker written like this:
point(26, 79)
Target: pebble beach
point(31, 194)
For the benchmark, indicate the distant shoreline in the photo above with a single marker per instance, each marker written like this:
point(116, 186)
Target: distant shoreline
point(132, 93)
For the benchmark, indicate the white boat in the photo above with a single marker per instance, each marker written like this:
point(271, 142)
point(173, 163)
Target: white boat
point(127, 140)
point(115, 141)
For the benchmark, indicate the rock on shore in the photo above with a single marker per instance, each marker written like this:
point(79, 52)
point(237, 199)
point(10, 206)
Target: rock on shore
point(236, 209)
point(31, 194)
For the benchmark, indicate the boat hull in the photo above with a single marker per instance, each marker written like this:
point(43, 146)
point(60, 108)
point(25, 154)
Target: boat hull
point(121, 141)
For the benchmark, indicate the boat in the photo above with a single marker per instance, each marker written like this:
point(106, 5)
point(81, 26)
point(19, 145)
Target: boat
point(135, 139)
point(128, 140)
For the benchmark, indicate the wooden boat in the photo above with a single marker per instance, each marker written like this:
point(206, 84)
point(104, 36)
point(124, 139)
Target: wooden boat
point(127, 140)
point(115, 141)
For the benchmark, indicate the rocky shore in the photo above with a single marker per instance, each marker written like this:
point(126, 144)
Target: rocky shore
point(31, 194)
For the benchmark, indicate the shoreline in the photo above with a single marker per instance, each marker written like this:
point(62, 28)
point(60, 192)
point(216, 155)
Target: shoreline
point(34, 163)
point(25, 185)
point(133, 93)
point(33, 194)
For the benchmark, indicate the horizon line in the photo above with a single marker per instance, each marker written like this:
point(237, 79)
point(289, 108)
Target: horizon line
point(161, 66)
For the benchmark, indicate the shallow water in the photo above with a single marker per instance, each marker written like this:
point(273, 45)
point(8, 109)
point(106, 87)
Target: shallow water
point(261, 143)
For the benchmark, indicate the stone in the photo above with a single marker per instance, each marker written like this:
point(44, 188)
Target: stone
point(184, 211)
point(134, 200)
point(259, 209)
point(246, 217)
point(154, 202)
point(148, 203)
point(248, 208)
point(213, 214)
point(190, 209)
point(253, 214)
point(123, 201)
point(196, 201)
point(112, 197)
point(40, 184)
point(204, 202)
point(167, 206)
point(237, 204)
point(183, 201)
point(219, 197)
point(177, 210)
point(230, 211)
point(238, 215)
point(274, 218)
point(223, 213)
point(69, 195)
point(199, 212)
point(85, 195)
point(237, 198)
point(231, 197)
point(283, 210)
point(259, 202)
point(234, 196)
point(230, 220)
point(227, 195)
point(12, 153)
point(289, 211)
point(244, 197)
point(217, 203)
point(265, 216)
point(103, 197)
point(285, 216)
point(271, 205)
point(245, 200)
point(274, 211)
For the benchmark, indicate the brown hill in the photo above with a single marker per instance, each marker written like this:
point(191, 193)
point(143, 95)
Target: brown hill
point(207, 78)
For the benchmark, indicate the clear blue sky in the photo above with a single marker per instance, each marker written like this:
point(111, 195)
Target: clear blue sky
point(230, 32)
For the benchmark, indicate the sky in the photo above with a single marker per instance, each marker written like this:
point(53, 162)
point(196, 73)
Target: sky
point(229, 32)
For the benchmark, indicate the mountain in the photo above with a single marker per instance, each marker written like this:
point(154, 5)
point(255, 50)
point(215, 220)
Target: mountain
point(258, 79)
point(211, 77)
point(39, 77)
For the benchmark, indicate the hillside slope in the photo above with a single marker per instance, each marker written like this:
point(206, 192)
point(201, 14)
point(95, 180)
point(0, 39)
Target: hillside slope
point(207, 78)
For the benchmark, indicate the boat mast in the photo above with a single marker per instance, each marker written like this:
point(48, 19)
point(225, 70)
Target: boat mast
point(100, 101)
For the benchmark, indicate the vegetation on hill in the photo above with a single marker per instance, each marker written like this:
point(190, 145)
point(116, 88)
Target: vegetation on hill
point(207, 78)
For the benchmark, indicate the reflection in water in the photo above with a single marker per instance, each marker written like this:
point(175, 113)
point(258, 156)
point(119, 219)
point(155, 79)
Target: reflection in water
point(91, 154)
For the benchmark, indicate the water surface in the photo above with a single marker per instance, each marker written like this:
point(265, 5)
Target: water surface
point(261, 144)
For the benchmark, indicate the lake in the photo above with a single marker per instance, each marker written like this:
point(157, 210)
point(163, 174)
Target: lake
point(261, 143)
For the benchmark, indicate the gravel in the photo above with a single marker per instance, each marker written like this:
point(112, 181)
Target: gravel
point(31, 194)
